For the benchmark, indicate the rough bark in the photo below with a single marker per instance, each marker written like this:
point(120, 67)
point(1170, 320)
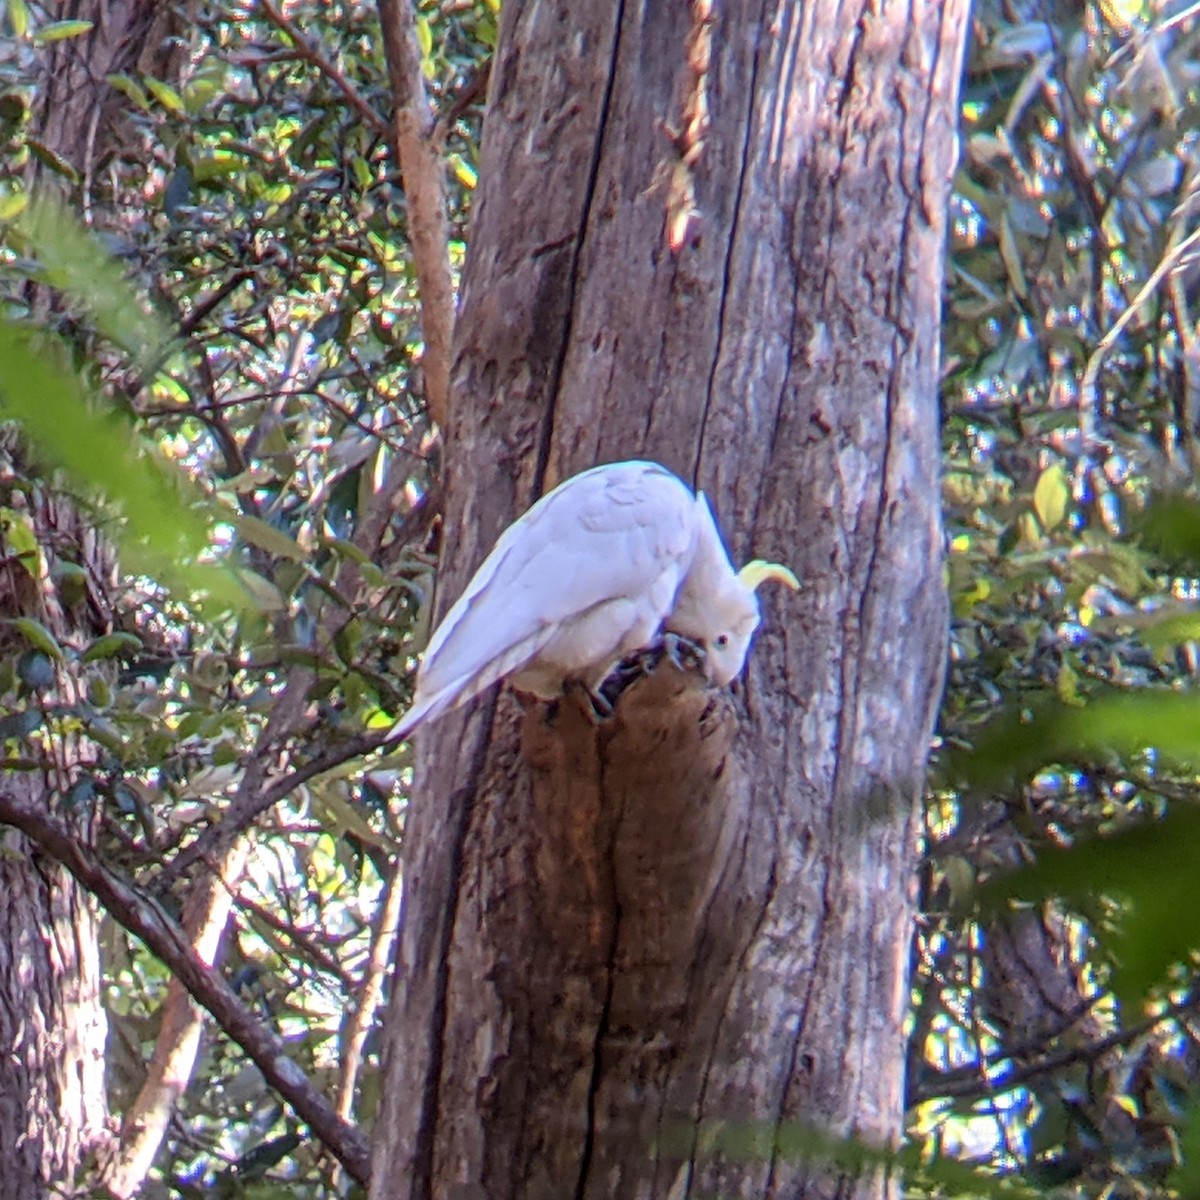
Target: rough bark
point(622, 937)
point(76, 113)
point(53, 1109)
point(52, 1022)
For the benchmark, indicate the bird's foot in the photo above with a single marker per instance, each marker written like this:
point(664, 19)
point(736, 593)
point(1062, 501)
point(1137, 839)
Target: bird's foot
point(683, 653)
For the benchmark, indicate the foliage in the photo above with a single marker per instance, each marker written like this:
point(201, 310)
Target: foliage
point(1070, 397)
point(243, 318)
point(253, 205)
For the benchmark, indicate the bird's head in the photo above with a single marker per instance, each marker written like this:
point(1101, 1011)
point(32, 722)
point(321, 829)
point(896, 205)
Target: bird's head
point(737, 606)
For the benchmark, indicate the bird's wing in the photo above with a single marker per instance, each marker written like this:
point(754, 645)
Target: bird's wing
point(430, 703)
point(612, 531)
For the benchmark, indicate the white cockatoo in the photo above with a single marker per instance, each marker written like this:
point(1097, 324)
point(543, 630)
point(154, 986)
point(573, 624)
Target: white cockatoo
point(598, 568)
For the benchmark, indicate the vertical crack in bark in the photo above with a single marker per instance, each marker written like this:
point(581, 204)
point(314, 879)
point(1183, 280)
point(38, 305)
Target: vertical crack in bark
point(589, 197)
point(738, 975)
point(851, 61)
point(732, 246)
point(589, 1132)
point(602, 1023)
point(422, 1185)
point(793, 1058)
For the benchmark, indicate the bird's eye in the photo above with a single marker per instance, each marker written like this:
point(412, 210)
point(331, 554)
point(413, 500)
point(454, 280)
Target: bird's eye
point(723, 640)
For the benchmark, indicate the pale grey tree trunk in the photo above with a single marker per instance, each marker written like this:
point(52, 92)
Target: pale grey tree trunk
point(621, 937)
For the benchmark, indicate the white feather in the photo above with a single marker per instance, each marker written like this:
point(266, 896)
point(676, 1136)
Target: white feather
point(596, 569)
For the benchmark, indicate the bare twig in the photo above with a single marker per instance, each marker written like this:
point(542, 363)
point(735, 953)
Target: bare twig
point(1087, 384)
point(966, 1081)
point(358, 1022)
point(357, 1025)
point(474, 88)
point(311, 54)
point(418, 152)
point(147, 920)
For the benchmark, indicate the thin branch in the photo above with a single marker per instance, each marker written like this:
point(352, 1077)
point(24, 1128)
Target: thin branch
point(251, 804)
point(965, 1081)
point(147, 920)
point(360, 1020)
point(415, 146)
point(311, 54)
point(1087, 385)
point(474, 88)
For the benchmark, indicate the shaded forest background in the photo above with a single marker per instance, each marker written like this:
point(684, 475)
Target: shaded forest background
point(246, 303)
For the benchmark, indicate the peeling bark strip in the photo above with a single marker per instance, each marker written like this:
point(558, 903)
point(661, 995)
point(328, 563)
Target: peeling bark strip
point(698, 914)
point(419, 156)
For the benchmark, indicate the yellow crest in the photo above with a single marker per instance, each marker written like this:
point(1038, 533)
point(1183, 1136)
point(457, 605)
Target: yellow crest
point(760, 571)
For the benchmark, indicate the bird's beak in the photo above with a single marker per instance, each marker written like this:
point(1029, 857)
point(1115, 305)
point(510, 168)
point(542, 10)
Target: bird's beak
point(760, 571)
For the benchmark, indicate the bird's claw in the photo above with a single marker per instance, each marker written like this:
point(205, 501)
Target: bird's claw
point(681, 652)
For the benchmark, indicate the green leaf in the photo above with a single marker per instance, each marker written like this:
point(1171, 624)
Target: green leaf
point(1171, 526)
point(258, 533)
point(18, 15)
point(793, 1141)
point(340, 815)
point(38, 637)
point(424, 36)
point(166, 95)
point(53, 160)
point(20, 540)
point(1051, 497)
point(1152, 867)
point(1042, 730)
point(1185, 1180)
point(463, 171)
point(165, 531)
point(129, 87)
point(20, 724)
point(75, 263)
point(12, 204)
point(1010, 252)
point(35, 671)
point(110, 645)
point(59, 31)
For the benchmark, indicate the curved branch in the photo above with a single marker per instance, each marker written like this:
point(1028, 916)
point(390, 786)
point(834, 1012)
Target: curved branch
point(147, 920)
point(311, 53)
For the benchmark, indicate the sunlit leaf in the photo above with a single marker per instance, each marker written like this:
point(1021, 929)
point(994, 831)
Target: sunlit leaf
point(1052, 497)
point(20, 541)
point(166, 95)
point(129, 87)
point(58, 31)
point(18, 15)
point(38, 636)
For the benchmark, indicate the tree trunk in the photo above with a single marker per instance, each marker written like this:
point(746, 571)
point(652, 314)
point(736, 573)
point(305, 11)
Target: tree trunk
point(52, 1022)
point(53, 1107)
point(637, 953)
point(76, 112)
